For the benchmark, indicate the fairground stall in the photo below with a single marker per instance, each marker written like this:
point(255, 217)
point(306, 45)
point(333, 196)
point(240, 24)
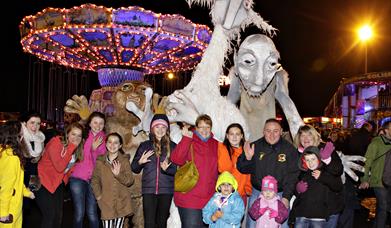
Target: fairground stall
point(362, 98)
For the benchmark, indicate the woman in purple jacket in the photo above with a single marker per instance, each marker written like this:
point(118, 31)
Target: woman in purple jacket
point(82, 195)
point(153, 158)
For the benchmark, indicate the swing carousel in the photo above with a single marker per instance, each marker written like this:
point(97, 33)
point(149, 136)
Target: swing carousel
point(119, 44)
point(125, 42)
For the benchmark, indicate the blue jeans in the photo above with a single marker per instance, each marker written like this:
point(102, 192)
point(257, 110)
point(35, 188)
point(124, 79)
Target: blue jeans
point(83, 201)
point(250, 222)
point(332, 221)
point(383, 205)
point(302, 222)
point(191, 218)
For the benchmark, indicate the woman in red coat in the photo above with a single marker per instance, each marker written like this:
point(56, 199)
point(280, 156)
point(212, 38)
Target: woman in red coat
point(190, 204)
point(54, 169)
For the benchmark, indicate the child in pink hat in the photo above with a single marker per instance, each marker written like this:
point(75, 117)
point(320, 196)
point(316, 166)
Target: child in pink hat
point(268, 210)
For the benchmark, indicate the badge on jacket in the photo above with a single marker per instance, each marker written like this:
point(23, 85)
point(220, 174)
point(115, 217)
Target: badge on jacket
point(261, 155)
point(281, 157)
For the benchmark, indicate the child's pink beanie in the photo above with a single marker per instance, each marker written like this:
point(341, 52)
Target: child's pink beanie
point(269, 183)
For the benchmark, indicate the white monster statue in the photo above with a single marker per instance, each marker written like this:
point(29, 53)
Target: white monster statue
point(257, 79)
point(202, 94)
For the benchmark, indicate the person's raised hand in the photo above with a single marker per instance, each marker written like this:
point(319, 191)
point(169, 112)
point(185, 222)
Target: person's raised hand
point(248, 150)
point(325, 152)
point(145, 157)
point(165, 164)
point(185, 130)
point(116, 167)
point(97, 142)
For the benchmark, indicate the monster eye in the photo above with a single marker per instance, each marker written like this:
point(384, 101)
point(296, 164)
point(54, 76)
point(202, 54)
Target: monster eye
point(126, 87)
point(248, 59)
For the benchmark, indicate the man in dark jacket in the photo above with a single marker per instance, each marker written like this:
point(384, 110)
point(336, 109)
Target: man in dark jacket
point(356, 144)
point(274, 156)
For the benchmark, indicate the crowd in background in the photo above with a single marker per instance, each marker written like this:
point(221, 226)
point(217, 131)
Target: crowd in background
point(240, 183)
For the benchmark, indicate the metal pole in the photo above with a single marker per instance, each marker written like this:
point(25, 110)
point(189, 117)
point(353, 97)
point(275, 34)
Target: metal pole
point(366, 58)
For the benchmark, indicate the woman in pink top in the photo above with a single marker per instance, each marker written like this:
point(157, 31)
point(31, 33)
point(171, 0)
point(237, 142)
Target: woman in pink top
point(190, 204)
point(79, 183)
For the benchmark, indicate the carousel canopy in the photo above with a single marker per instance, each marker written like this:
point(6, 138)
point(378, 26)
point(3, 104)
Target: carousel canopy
point(93, 37)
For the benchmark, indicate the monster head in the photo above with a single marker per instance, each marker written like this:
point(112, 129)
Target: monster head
point(129, 91)
point(256, 63)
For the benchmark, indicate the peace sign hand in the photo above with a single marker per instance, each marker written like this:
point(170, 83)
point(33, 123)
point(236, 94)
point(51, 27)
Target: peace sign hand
point(165, 164)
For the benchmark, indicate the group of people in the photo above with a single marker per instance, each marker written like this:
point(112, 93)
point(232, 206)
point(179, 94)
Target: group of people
point(239, 184)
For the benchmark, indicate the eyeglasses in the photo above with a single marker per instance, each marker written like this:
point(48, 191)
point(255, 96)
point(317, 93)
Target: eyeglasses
point(204, 127)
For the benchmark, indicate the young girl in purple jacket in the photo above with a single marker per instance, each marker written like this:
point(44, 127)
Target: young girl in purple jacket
point(153, 158)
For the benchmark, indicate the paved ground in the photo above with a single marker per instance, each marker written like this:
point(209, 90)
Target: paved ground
point(33, 219)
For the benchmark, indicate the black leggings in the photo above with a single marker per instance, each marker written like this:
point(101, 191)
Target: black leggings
point(156, 210)
point(51, 205)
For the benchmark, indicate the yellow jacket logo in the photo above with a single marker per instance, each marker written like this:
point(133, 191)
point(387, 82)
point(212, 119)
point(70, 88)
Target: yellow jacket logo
point(281, 157)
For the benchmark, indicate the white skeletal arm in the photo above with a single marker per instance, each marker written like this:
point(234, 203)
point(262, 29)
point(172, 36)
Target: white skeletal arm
point(287, 105)
point(349, 164)
point(145, 115)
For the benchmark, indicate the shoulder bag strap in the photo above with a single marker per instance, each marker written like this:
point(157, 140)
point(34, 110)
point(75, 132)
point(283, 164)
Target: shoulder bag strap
point(192, 152)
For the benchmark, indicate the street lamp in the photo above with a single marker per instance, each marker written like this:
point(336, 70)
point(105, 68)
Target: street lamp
point(365, 34)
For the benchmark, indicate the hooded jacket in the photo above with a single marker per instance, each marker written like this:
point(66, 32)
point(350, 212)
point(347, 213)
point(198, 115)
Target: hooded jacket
point(114, 191)
point(314, 203)
point(12, 188)
point(233, 210)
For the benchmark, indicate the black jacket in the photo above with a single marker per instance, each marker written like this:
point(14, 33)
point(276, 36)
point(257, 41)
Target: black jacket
point(314, 203)
point(278, 160)
point(154, 179)
point(335, 197)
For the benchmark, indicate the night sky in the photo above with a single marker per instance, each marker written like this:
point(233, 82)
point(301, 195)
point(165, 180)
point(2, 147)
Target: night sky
point(316, 40)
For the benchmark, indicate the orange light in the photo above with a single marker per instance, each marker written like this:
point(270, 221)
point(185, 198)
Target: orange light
point(170, 75)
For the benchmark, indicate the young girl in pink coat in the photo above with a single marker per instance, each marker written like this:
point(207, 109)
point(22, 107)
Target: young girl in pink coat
point(268, 210)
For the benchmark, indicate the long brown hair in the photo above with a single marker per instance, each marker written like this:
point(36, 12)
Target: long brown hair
point(10, 137)
point(226, 142)
point(64, 140)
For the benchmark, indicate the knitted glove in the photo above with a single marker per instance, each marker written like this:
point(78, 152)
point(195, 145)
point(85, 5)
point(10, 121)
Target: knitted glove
point(301, 186)
point(326, 151)
point(263, 210)
point(273, 214)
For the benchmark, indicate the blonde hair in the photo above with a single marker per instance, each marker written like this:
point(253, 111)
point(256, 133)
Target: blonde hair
point(307, 129)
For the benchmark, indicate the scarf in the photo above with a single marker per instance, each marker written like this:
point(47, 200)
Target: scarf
point(37, 138)
point(202, 138)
